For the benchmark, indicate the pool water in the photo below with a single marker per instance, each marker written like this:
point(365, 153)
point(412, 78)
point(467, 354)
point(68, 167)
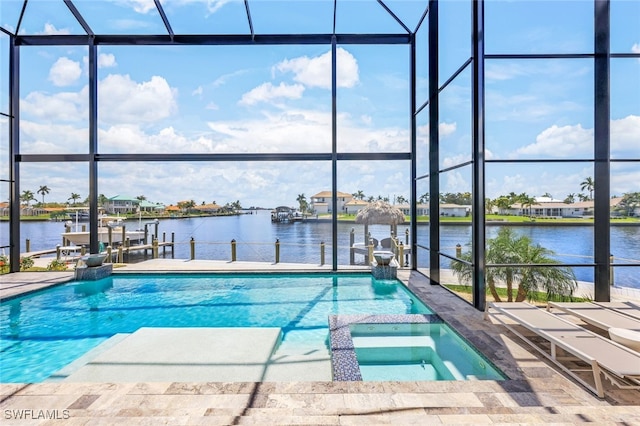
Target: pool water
point(409, 351)
point(42, 332)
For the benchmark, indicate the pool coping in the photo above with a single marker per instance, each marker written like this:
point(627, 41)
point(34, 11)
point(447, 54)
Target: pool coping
point(344, 363)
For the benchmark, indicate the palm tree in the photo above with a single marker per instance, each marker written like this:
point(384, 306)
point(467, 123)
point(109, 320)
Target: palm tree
point(141, 198)
point(74, 197)
point(503, 203)
point(102, 200)
point(526, 201)
point(44, 189)
point(571, 198)
point(630, 201)
point(359, 195)
point(509, 249)
point(401, 200)
point(489, 204)
point(302, 202)
point(424, 198)
point(27, 197)
point(588, 184)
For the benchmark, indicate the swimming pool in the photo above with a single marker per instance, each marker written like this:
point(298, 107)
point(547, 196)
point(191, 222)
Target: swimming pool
point(43, 332)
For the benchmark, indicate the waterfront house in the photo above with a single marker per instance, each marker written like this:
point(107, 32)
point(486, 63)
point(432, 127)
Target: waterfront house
point(354, 206)
point(208, 208)
point(449, 210)
point(553, 209)
point(121, 204)
point(149, 207)
point(322, 202)
point(454, 210)
point(172, 210)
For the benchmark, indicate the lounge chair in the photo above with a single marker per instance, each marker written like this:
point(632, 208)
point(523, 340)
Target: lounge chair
point(628, 308)
point(597, 315)
point(616, 362)
point(621, 328)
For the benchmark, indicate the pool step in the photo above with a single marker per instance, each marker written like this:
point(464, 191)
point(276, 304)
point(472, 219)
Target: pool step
point(299, 364)
point(392, 340)
point(183, 354)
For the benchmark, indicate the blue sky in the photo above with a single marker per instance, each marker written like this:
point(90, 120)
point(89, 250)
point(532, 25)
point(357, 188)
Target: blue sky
point(164, 99)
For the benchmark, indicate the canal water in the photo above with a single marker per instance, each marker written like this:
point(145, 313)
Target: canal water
point(301, 242)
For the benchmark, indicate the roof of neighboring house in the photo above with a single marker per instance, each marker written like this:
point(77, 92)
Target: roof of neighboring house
point(173, 208)
point(356, 203)
point(557, 205)
point(145, 203)
point(207, 207)
point(123, 198)
point(329, 194)
point(454, 206)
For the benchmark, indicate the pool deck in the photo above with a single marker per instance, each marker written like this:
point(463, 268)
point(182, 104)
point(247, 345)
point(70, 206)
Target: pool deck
point(535, 392)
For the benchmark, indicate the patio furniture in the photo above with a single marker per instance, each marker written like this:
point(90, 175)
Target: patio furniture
point(629, 338)
point(616, 362)
point(597, 315)
point(627, 308)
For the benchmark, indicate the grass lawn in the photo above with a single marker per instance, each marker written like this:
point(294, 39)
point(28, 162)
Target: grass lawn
point(537, 298)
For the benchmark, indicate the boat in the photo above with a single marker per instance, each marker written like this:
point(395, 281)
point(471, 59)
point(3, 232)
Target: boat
point(105, 224)
point(78, 215)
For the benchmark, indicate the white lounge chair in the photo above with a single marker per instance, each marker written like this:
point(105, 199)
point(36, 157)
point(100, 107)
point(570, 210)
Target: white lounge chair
point(622, 328)
point(616, 362)
point(628, 308)
point(597, 315)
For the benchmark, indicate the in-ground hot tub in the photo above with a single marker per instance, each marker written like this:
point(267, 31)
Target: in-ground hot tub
point(403, 348)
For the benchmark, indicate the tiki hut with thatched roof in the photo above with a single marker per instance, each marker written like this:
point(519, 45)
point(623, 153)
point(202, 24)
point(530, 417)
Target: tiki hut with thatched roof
point(380, 213)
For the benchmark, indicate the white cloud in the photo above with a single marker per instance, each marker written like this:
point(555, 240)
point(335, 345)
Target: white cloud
point(63, 106)
point(635, 48)
point(560, 142)
point(316, 72)
point(223, 79)
point(142, 6)
point(122, 100)
point(106, 60)
point(212, 6)
point(50, 29)
point(198, 91)
point(212, 106)
point(576, 141)
point(52, 138)
point(455, 160)
point(64, 72)
point(455, 182)
point(267, 92)
point(366, 119)
point(447, 129)
point(625, 134)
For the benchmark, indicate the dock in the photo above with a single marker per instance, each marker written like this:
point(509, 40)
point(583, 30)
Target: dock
point(70, 254)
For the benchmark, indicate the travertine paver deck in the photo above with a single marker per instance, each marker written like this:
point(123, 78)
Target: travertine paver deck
point(535, 392)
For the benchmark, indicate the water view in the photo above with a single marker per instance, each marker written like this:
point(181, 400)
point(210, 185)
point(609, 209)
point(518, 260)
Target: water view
point(300, 242)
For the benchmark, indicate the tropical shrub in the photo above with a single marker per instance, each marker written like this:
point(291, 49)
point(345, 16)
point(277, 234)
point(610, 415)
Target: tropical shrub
point(26, 263)
point(511, 251)
point(57, 265)
point(4, 264)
